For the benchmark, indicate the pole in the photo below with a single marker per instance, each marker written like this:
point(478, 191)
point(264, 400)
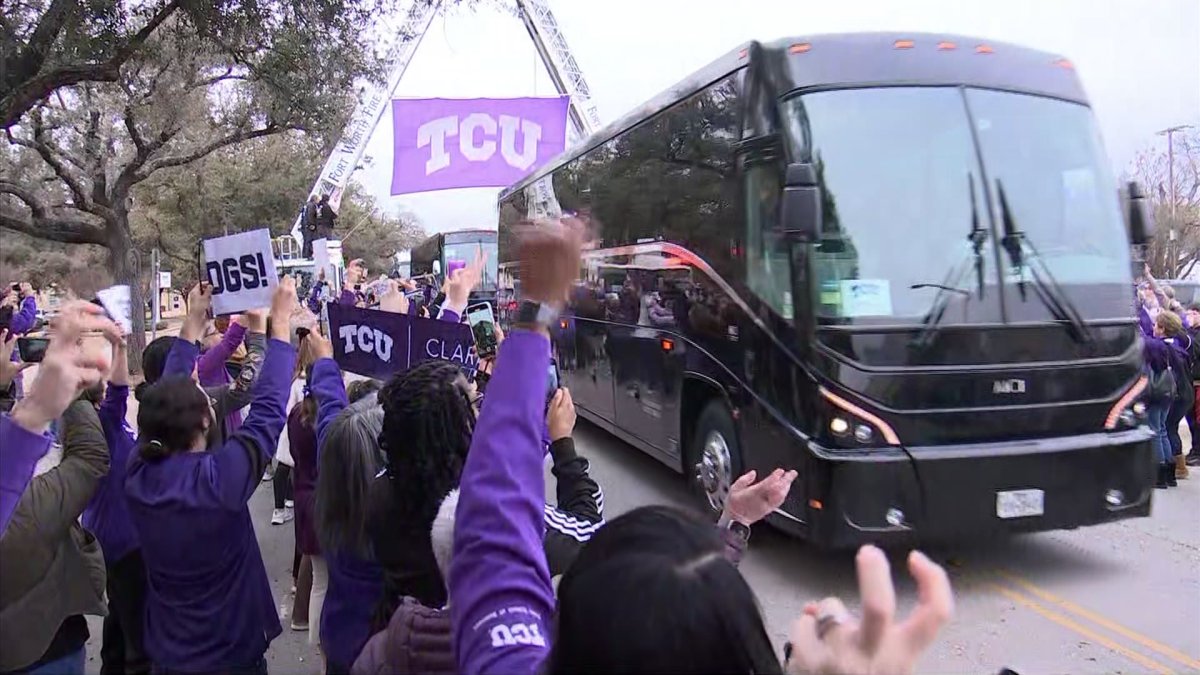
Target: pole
point(154, 308)
point(1172, 234)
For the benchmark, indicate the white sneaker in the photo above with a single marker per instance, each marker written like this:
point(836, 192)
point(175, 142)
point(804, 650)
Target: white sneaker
point(278, 517)
point(288, 513)
point(289, 504)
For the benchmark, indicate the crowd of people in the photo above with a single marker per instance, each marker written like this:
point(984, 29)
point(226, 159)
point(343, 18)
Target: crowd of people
point(1171, 334)
point(425, 542)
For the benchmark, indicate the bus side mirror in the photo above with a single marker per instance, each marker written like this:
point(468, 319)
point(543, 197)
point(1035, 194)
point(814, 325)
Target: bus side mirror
point(437, 267)
point(800, 212)
point(1141, 222)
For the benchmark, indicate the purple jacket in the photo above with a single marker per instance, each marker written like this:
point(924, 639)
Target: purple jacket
point(211, 371)
point(107, 515)
point(355, 583)
point(502, 598)
point(21, 323)
point(208, 604)
point(20, 451)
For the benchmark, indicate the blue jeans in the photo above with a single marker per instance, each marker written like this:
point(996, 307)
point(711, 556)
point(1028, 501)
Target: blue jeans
point(71, 664)
point(1157, 413)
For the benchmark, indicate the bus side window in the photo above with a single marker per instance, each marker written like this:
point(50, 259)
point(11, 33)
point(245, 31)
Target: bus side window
point(768, 257)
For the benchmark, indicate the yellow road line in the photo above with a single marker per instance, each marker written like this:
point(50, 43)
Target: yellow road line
point(1099, 620)
point(1137, 657)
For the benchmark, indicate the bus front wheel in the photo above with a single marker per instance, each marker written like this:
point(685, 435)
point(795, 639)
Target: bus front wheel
point(715, 460)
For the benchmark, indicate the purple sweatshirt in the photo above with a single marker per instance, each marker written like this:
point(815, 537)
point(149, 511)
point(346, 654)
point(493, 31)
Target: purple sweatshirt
point(211, 371)
point(501, 598)
point(20, 450)
point(107, 515)
point(355, 583)
point(209, 605)
point(21, 323)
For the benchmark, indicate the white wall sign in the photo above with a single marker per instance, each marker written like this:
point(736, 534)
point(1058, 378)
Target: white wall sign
point(164, 280)
point(241, 269)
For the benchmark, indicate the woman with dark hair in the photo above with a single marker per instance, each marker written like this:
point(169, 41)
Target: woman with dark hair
point(209, 606)
point(656, 594)
point(299, 442)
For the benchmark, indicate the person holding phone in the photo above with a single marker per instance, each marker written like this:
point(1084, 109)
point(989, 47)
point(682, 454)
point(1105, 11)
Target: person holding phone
point(20, 306)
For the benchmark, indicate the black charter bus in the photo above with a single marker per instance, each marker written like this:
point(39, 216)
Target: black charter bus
point(461, 246)
point(898, 264)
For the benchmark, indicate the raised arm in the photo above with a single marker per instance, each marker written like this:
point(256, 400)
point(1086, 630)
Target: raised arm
point(115, 405)
point(502, 598)
point(61, 494)
point(238, 465)
point(327, 386)
point(579, 496)
point(181, 360)
point(65, 371)
point(499, 564)
point(212, 362)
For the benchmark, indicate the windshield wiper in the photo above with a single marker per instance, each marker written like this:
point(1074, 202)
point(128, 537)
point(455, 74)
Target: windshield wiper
point(976, 236)
point(1020, 249)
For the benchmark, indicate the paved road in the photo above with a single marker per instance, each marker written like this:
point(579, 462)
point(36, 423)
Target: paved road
point(1120, 598)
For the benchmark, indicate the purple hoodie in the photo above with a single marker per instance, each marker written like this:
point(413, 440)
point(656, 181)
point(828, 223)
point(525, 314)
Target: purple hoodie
point(208, 604)
point(107, 514)
point(502, 598)
point(211, 371)
point(20, 450)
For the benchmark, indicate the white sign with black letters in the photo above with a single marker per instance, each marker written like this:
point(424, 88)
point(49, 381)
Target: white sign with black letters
point(241, 269)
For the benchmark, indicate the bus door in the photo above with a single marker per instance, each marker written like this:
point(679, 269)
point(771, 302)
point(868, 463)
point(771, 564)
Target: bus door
point(645, 352)
point(585, 366)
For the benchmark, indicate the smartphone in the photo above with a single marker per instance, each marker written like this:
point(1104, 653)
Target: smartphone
point(16, 288)
point(551, 382)
point(483, 327)
point(32, 349)
point(452, 265)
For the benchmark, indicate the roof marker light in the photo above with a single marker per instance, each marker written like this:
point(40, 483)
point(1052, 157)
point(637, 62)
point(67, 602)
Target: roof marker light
point(903, 44)
point(800, 48)
point(984, 49)
point(1064, 63)
point(945, 46)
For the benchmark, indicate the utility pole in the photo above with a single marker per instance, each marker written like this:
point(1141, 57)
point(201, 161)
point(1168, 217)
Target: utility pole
point(1172, 235)
point(156, 294)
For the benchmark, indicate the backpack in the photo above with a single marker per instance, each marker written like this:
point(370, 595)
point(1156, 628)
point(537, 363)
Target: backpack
point(1162, 386)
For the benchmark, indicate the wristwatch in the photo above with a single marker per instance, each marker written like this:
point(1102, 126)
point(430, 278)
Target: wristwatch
point(531, 313)
point(740, 530)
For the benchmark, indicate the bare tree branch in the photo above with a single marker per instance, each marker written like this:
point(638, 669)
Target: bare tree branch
point(205, 150)
point(41, 224)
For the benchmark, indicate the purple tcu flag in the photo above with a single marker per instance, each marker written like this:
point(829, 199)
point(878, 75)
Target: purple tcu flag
point(442, 143)
point(376, 344)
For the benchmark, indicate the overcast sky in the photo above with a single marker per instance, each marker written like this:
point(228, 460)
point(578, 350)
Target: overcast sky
point(1139, 61)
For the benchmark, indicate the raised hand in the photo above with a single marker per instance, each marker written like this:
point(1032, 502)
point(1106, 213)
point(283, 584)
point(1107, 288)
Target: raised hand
point(460, 284)
point(393, 299)
point(356, 271)
point(560, 418)
point(283, 304)
point(255, 320)
point(320, 345)
point(199, 301)
point(549, 255)
point(826, 639)
point(67, 368)
point(750, 502)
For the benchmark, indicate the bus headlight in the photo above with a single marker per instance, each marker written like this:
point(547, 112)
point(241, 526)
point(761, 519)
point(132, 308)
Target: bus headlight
point(1128, 412)
point(849, 421)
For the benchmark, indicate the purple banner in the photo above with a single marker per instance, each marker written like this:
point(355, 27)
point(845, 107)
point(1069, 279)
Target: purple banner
point(442, 143)
point(377, 344)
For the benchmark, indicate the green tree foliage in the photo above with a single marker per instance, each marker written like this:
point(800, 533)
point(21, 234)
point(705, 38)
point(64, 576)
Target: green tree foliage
point(375, 237)
point(200, 78)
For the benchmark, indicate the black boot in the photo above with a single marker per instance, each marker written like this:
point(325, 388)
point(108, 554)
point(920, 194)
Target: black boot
point(1169, 474)
point(1160, 480)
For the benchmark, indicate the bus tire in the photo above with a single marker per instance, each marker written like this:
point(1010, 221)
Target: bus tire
point(715, 457)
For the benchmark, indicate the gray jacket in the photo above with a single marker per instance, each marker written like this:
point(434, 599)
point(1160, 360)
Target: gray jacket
point(52, 567)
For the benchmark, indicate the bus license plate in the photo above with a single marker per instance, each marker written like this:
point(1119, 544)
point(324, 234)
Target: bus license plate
point(1020, 503)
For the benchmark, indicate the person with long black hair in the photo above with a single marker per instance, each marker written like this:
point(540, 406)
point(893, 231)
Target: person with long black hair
point(209, 606)
point(652, 591)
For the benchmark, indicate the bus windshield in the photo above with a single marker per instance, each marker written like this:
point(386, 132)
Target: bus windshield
point(466, 251)
point(906, 213)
